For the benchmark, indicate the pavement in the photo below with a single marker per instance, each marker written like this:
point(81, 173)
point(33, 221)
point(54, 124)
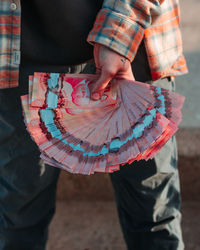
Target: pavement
point(86, 217)
point(189, 85)
point(84, 225)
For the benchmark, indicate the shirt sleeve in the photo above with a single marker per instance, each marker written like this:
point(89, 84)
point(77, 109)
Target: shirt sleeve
point(120, 24)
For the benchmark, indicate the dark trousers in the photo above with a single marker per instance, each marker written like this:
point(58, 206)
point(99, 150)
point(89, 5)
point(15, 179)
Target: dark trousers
point(147, 193)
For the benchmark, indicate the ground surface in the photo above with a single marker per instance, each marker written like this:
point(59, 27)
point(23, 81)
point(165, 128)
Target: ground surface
point(80, 225)
point(189, 85)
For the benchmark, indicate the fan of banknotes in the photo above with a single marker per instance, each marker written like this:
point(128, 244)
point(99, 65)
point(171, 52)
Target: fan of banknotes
point(131, 122)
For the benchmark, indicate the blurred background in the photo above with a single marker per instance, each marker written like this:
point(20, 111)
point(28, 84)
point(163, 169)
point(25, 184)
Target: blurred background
point(86, 217)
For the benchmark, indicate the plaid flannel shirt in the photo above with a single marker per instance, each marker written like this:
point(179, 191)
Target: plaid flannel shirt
point(120, 25)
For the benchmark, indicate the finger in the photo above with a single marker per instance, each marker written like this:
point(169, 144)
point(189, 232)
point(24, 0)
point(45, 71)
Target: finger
point(97, 89)
point(96, 55)
point(128, 74)
point(98, 71)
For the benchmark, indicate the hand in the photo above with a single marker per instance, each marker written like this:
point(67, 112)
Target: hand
point(109, 64)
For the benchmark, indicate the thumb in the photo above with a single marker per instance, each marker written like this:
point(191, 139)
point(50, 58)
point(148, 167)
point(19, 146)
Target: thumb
point(97, 89)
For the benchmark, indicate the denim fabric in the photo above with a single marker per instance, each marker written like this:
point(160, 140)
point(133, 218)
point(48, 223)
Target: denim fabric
point(27, 185)
point(147, 194)
point(148, 200)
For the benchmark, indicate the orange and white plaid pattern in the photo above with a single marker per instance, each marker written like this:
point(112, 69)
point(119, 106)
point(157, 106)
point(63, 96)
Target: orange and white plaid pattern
point(120, 25)
point(9, 43)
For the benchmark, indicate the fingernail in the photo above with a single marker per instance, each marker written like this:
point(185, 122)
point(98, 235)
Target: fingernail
point(95, 96)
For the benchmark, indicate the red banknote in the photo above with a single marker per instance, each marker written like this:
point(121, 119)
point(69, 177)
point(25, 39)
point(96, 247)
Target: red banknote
point(132, 121)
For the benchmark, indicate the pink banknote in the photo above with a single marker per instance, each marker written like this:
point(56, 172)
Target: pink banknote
point(132, 121)
point(52, 90)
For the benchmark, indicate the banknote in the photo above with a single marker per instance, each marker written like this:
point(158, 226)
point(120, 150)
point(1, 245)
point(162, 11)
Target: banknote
point(131, 122)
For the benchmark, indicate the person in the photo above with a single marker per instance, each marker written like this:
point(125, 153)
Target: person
point(130, 38)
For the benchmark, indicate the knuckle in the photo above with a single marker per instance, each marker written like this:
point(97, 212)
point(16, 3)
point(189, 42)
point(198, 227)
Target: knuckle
point(110, 71)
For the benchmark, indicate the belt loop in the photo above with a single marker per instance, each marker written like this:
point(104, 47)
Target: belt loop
point(68, 69)
point(170, 78)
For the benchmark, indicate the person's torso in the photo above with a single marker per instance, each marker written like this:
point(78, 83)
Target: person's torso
point(55, 32)
point(54, 36)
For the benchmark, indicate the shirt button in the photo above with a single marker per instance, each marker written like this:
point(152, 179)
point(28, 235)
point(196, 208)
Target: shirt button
point(13, 6)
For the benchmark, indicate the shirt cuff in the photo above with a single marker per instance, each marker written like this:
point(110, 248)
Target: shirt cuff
point(117, 32)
